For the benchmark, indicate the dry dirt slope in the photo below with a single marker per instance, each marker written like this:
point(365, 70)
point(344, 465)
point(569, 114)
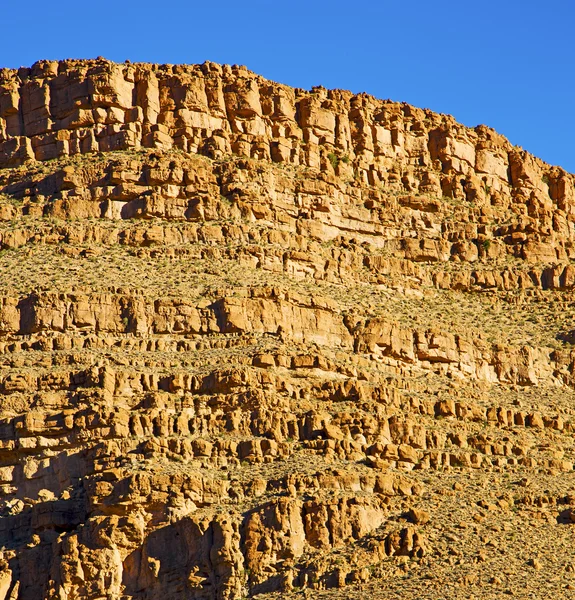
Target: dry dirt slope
point(258, 341)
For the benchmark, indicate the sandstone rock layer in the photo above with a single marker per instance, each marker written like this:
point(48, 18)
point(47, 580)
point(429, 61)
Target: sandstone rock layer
point(262, 341)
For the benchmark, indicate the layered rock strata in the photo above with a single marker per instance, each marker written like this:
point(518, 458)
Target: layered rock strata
point(260, 341)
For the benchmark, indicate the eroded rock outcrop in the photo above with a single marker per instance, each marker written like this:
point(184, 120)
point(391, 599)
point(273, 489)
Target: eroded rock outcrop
point(264, 341)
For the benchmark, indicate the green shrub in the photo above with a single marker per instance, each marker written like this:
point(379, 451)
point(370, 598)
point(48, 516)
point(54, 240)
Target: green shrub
point(333, 159)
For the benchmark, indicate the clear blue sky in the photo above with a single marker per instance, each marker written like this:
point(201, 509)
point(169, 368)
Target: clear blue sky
point(508, 63)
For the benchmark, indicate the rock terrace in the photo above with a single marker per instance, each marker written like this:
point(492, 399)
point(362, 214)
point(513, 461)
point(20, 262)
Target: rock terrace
point(258, 341)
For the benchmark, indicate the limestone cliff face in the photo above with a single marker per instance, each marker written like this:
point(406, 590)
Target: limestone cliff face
point(72, 108)
point(258, 340)
point(76, 107)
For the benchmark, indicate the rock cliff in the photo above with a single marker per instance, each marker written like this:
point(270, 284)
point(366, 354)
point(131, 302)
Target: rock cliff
point(262, 341)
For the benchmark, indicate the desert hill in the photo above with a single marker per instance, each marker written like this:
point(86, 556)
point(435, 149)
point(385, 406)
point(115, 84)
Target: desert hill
point(258, 341)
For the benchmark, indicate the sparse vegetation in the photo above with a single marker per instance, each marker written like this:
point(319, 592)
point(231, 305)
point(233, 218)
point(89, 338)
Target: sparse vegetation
point(333, 159)
point(304, 364)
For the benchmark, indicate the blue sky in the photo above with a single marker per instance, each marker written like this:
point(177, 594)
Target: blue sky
point(508, 64)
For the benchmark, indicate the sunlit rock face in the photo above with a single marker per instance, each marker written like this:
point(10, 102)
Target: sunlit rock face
point(262, 341)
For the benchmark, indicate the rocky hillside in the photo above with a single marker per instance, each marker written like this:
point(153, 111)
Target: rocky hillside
point(262, 341)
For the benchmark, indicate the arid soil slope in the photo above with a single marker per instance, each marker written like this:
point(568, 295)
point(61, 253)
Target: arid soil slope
point(261, 341)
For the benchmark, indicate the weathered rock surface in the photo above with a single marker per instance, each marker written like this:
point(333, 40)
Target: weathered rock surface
point(258, 341)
